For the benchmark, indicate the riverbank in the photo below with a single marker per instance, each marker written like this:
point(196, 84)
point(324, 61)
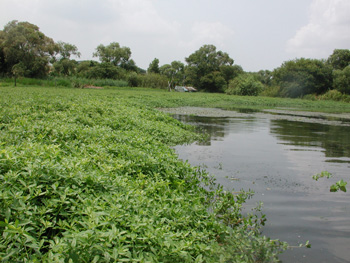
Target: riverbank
point(339, 119)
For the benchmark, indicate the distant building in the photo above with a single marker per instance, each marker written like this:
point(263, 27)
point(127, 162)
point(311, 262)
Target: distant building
point(185, 89)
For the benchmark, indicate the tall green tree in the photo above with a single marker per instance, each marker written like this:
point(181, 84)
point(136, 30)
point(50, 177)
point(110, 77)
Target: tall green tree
point(64, 65)
point(230, 72)
point(339, 59)
point(113, 53)
point(302, 76)
point(154, 66)
point(245, 85)
point(24, 44)
point(341, 80)
point(174, 72)
point(203, 69)
point(66, 50)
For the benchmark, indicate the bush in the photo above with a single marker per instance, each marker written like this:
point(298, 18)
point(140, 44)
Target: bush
point(300, 77)
point(335, 95)
point(271, 91)
point(341, 80)
point(152, 80)
point(245, 85)
point(134, 80)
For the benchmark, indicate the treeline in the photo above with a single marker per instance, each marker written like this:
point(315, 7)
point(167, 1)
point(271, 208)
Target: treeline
point(27, 52)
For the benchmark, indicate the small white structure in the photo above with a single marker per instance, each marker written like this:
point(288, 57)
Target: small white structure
point(185, 89)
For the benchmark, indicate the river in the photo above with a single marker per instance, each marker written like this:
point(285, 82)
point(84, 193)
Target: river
point(275, 155)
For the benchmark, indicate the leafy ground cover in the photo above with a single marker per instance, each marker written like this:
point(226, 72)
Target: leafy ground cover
point(89, 176)
point(161, 98)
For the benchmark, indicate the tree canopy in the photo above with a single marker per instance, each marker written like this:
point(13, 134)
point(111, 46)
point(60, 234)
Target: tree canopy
point(154, 66)
point(174, 72)
point(303, 76)
point(25, 49)
point(339, 59)
point(204, 68)
point(113, 53)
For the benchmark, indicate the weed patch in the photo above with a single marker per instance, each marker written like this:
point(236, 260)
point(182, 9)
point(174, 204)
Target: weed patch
point(89, 176)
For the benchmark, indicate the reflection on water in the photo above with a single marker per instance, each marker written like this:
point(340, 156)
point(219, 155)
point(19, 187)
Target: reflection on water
point(277, 158)
point(334, 140)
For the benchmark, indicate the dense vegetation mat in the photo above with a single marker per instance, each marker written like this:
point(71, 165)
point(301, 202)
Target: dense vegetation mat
point(87, 176)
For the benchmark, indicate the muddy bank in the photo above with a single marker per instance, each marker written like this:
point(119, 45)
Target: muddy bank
point(301, 116)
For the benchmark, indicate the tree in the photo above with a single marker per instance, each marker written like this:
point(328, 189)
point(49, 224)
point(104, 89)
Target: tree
point(154, 66)
point(339, 59)
point(341, 80)
point(213, 82)
point(113, 53)
point(245, 85)
point(231, 71)
point(174, 72)
point(130, 65)
point(66, 50)
point(23, 43)
point(203, 68)
point(105, 70)
point(300, 77)
point(64, 65)
point(18, 70)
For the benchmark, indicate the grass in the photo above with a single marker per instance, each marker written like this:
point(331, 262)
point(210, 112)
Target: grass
point(89, 176)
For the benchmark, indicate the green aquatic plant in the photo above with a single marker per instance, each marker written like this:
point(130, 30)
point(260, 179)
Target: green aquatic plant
point(90, 176)
point(340, 185)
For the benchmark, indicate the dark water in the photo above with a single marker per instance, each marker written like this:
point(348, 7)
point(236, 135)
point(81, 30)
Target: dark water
point(277, 158)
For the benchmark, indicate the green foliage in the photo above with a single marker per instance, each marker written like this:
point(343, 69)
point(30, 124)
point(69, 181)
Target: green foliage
point(340, 59)
point(24, 47)
point(154, 66)
point(65, 67)
point(271, 91)
point(340, 185)
point(105, 70)
point(113, 53)
point(67, 82)
point(300, 77)
point(89, 176)
point(245, 85)
point(323, 174)
point(66, 50)
point(230, 72)
point(203, 70)
point(334, 95)
point(152, 80)
point(213, 82)
point(341, 80)
point(134, 79)
point(175, 72)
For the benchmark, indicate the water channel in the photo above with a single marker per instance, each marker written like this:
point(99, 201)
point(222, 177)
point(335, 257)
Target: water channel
point(276, 155)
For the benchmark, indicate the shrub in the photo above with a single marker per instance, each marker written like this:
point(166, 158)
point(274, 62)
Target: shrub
point(153, 80)
point(341, 80)
point(300, 77)
point(271, 91)
point(245, 85)
point(335, 95)
point(134, 79)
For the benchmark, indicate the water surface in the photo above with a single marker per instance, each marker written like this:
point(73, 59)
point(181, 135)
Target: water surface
point(276, 158)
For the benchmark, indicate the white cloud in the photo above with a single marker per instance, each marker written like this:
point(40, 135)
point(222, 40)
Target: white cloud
point(328, 29)
point(141, 17)
point(202, 33)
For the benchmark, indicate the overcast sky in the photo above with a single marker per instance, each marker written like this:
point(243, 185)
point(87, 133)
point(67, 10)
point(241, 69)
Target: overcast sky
point(257, 34)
